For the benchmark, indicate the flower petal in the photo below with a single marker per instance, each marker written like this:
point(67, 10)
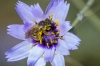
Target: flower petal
point(18, 49)
point(52, 3)
point(64, 27)
point(19, 56)
point(37, 12)
point(72, 40)
point(49, 53)
point(62, 47)
point(59, 10)
point(28, 26)
point(24, 11)
point(52, 7)
point(58, 60)
point(16, 31)
point(36, 53)
point(40, 62)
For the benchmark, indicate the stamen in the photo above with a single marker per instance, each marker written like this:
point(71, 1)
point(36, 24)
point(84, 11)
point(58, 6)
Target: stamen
point(47, 45)
point(47, 34)
point(55, 41)
point(60, 37)
point(57, 32)
point(51, 41)
point(51, 16)
point(57, 22)
point(52, 33)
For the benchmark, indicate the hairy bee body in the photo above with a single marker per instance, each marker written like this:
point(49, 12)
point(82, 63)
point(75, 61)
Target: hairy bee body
point(38, 29)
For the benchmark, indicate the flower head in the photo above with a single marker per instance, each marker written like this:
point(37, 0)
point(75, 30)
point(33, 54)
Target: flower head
point(45, 35)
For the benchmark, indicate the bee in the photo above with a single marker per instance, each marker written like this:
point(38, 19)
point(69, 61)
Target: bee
point(37, 31)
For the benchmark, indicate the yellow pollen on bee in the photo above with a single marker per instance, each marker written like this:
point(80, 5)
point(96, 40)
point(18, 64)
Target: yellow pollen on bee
point(48, 28)
point(40, 36)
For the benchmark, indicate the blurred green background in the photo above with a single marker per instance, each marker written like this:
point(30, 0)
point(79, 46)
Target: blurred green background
point(88, 30)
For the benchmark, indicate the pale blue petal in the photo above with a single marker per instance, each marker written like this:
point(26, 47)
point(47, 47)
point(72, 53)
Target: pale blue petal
point(73, 36)
point(62, 47)
point(49, 54)
point(19, 51)
point(64, 27)
point(49, 5)
point(16, 31)
point(59, 10)
point(52, 9)
point(37, 12)
point(58, 60)
point(28, 26)
point(40, 62)
point(36, 53)
point(19, 56)
point(71, 40)
point(24, 11)
point(19, 48)
point(52, 3)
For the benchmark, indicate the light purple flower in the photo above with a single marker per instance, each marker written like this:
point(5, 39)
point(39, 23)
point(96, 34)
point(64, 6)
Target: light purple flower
point(45, 35)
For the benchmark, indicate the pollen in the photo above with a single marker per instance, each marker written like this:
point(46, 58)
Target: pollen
point(57, 22)
point(39, 36)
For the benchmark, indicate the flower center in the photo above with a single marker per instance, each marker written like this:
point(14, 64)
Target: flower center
point(44, 33)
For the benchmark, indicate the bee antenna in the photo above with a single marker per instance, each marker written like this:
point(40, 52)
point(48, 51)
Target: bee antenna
point(35, 22)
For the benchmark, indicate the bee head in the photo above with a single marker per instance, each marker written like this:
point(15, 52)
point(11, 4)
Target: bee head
point(48, 22)
point(42, 23)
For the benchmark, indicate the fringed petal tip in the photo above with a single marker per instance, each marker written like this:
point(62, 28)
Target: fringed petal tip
point(59, 9)
point(72, 40)
point(37, 12)
point(18, 57)
point(18, 52)
point(16, 31)
point(24, 11)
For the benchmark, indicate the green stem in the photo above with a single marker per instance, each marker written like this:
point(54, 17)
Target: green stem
point(89, 3)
